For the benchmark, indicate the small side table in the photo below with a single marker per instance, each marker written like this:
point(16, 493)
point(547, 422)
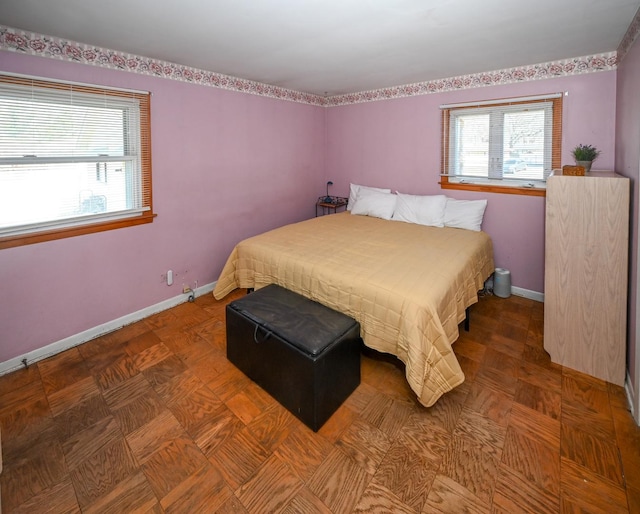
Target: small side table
point(330, 205)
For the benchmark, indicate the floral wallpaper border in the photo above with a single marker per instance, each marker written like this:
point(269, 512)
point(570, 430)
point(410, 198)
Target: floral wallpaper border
point(46, 46)
point(629, 37)
point(575, 66)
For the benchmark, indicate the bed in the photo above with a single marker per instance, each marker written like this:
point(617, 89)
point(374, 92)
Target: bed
point(407, 284)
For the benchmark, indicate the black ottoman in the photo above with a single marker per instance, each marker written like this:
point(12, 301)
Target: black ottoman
point(304, 354)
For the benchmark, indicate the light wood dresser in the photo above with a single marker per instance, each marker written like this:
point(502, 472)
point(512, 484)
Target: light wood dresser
point(586, 270)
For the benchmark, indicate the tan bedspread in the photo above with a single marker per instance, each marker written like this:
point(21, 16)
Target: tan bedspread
point(408, 285)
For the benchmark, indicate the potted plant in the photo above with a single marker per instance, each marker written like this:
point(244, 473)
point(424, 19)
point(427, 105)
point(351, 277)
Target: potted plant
point(585, 155)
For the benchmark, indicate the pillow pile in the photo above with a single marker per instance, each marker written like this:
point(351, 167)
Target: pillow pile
point(354, 189)
point(431, 210)
point(374, 203)
point(423, 210)
point(464, 214)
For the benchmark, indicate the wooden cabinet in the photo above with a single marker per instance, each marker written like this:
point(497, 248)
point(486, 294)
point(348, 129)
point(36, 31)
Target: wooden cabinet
point(586, 270)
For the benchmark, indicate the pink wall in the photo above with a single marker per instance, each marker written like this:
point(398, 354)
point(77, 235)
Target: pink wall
point(226, 165)
point(396, 144)
point(628, 164)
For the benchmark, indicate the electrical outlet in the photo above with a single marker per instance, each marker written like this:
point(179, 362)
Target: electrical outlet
point(186, 289)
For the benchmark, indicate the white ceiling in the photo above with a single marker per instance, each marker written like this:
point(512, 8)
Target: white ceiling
point(331, 47)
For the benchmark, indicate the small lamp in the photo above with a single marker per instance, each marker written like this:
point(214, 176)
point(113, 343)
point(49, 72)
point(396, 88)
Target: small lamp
point(328, 199)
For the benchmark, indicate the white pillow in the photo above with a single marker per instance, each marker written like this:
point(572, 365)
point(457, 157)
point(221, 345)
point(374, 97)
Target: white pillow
point(464, 213)
point(353, 192)
point(374, 203)
point(423, 210)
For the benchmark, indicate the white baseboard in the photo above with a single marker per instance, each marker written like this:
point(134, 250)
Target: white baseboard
point(77, 339)
point(527, 293)
point(628, 388)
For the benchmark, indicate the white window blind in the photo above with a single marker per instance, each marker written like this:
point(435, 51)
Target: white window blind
point(516, 140)
point(71, 155)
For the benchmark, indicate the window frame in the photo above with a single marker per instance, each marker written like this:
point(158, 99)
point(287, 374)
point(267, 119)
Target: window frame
point(501, 185)
point(82, 225)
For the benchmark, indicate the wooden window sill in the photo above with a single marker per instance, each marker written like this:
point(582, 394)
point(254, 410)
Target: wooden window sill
point(61, 233)
point(508, 190)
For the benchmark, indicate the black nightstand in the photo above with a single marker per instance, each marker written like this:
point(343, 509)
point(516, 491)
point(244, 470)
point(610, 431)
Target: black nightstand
point(330, 204)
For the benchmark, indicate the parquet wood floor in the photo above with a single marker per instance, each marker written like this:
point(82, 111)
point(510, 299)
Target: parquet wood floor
point(153, 418)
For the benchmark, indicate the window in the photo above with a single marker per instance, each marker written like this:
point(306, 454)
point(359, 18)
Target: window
point(502, 145)
point(74, 159)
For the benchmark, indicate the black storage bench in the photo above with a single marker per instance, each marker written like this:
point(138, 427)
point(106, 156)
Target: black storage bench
point(304, 354)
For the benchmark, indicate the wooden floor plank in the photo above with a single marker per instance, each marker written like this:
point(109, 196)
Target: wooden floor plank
point(59, 498)
point(239, 457)
point(271, 488)
point(365, 444)
point(172, 464)
point(515, 493)
point(406, 475)
point(470, 466)
point(102, 471)
point(377, 498)
point(204, 491)
point(305, 501)
point(447, 495)
point(339, 481)
point(130, 495)
point(590, 491)
point(533, 459)
point(31, 474)
point(598, 455)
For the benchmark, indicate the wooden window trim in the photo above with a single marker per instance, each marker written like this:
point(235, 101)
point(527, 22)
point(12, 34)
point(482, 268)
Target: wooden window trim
point(62, 233)
point(556, 150)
